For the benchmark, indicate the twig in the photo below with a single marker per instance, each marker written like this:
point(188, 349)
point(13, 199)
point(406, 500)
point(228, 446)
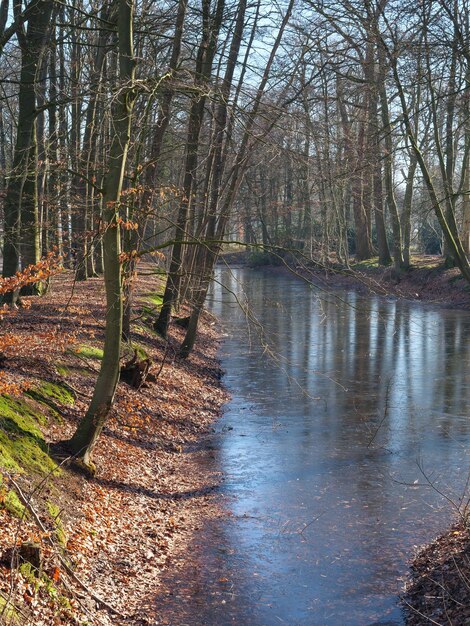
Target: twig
point(315, 519)
point(74, 389)
point(7, 602)
point(62, 561)
point(421, 614)
point(385, 414)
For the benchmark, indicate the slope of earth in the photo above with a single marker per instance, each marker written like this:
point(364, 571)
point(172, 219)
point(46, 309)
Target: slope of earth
point(99, 544)
point(427, 280)
point(438, 591)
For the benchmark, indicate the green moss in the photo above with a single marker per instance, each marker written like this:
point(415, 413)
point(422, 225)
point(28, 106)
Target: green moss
point(52, 392)
point(367, 263)
point(141, 330)
point(154, 298)
point(8, 612)
point(149, 310)
point(60, 533)
point(151, 303)
point(22, 446)
point(141, 351)
point(62, 370)
point(66, 371)
point(22, 454)
point(18, 416)
point(13, 505)
point(88, 352)
point(83, 371)
point(29, 573)
point(429, 266)
point(37, 580)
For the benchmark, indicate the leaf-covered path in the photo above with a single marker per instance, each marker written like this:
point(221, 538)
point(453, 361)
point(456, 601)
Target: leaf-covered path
point(121, 528)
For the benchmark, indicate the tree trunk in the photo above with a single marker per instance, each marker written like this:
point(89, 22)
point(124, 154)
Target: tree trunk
point(152, 171)
point(407, 206)
point(84, 440)
point(32, 46)
point(449, 230)
point(206, 53)
point(388, 168)
point(216, 229)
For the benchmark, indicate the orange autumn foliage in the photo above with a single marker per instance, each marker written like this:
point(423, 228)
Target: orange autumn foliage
point(39, 272)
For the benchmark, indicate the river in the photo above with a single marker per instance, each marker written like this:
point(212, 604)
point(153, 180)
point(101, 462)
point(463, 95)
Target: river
point(349, 414)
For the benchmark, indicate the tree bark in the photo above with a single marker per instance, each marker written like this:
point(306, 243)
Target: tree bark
point(388, 168)
point(20, 203)
point(206, 53)
point(85, 437)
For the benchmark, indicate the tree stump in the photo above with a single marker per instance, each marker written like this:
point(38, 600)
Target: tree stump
point(29, 552)
point(182, 321)
point(136, 371)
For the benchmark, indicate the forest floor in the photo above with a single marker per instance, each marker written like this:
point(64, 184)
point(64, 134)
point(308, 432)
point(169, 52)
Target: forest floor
point(426, 280)
point(438, 590)
point(119, 531)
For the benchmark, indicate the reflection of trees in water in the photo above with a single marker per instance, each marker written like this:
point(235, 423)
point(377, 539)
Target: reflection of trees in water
point(375, 365)
point(395, 359)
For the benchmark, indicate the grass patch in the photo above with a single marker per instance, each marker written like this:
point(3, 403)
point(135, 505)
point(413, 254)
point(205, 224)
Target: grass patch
point(88, 352)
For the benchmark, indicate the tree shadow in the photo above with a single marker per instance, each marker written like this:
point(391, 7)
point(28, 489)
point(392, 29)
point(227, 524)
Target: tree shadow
point(173, 496)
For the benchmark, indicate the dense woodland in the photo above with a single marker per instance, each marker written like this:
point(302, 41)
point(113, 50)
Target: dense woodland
point(328, 129)
point(141, 141)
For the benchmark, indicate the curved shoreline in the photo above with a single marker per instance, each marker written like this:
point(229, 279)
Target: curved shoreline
point(427, 281)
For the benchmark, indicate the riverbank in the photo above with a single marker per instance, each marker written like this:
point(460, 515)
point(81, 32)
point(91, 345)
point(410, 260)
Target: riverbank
point(428, 280)
point(438, 591)
point(120, 530)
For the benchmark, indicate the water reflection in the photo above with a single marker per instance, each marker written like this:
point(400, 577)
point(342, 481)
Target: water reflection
point(339, 403)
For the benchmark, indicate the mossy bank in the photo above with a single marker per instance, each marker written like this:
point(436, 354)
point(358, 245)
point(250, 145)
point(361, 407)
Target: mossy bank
point(118, 531)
